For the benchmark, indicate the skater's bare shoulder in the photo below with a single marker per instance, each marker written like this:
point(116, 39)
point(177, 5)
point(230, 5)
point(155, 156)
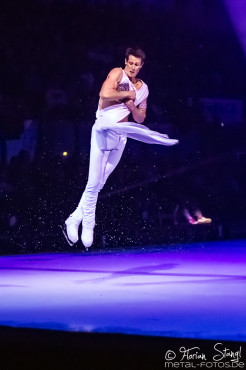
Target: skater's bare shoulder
point(115, 74)
point(109, 90)
point(111, 81)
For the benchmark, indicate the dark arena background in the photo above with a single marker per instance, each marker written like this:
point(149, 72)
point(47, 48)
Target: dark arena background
point(158, 288)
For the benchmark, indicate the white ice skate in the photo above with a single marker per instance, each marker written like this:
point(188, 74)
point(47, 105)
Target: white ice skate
point(71, 226)
point(87, 236)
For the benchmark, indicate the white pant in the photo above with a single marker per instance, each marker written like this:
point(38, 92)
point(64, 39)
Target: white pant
point(108, 140)
point(106, 150)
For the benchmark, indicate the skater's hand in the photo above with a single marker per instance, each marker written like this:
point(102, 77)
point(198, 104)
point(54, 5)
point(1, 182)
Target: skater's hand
point(130, 104)
point(131, 95)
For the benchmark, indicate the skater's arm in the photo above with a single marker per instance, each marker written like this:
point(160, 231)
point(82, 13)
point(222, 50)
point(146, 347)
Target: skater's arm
point(109, 90)
point(138, 113)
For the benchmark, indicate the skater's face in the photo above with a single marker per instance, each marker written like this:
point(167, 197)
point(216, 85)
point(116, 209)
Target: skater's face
point(133, 66)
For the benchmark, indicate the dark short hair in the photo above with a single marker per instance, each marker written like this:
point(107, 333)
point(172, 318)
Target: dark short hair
point(136, 52)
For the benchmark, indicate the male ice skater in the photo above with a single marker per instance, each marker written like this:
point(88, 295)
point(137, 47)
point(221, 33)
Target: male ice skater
point(122, 93)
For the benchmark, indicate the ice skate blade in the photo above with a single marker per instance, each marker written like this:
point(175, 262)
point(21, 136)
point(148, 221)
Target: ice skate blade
point(64, 231)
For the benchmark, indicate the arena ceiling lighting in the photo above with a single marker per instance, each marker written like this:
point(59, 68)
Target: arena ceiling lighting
point(237, 12)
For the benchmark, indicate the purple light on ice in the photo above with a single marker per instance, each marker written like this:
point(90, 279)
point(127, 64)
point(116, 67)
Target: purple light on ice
point(195, 291)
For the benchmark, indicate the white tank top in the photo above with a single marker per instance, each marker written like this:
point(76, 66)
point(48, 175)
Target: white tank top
point(108, 120)
point(119, 111)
